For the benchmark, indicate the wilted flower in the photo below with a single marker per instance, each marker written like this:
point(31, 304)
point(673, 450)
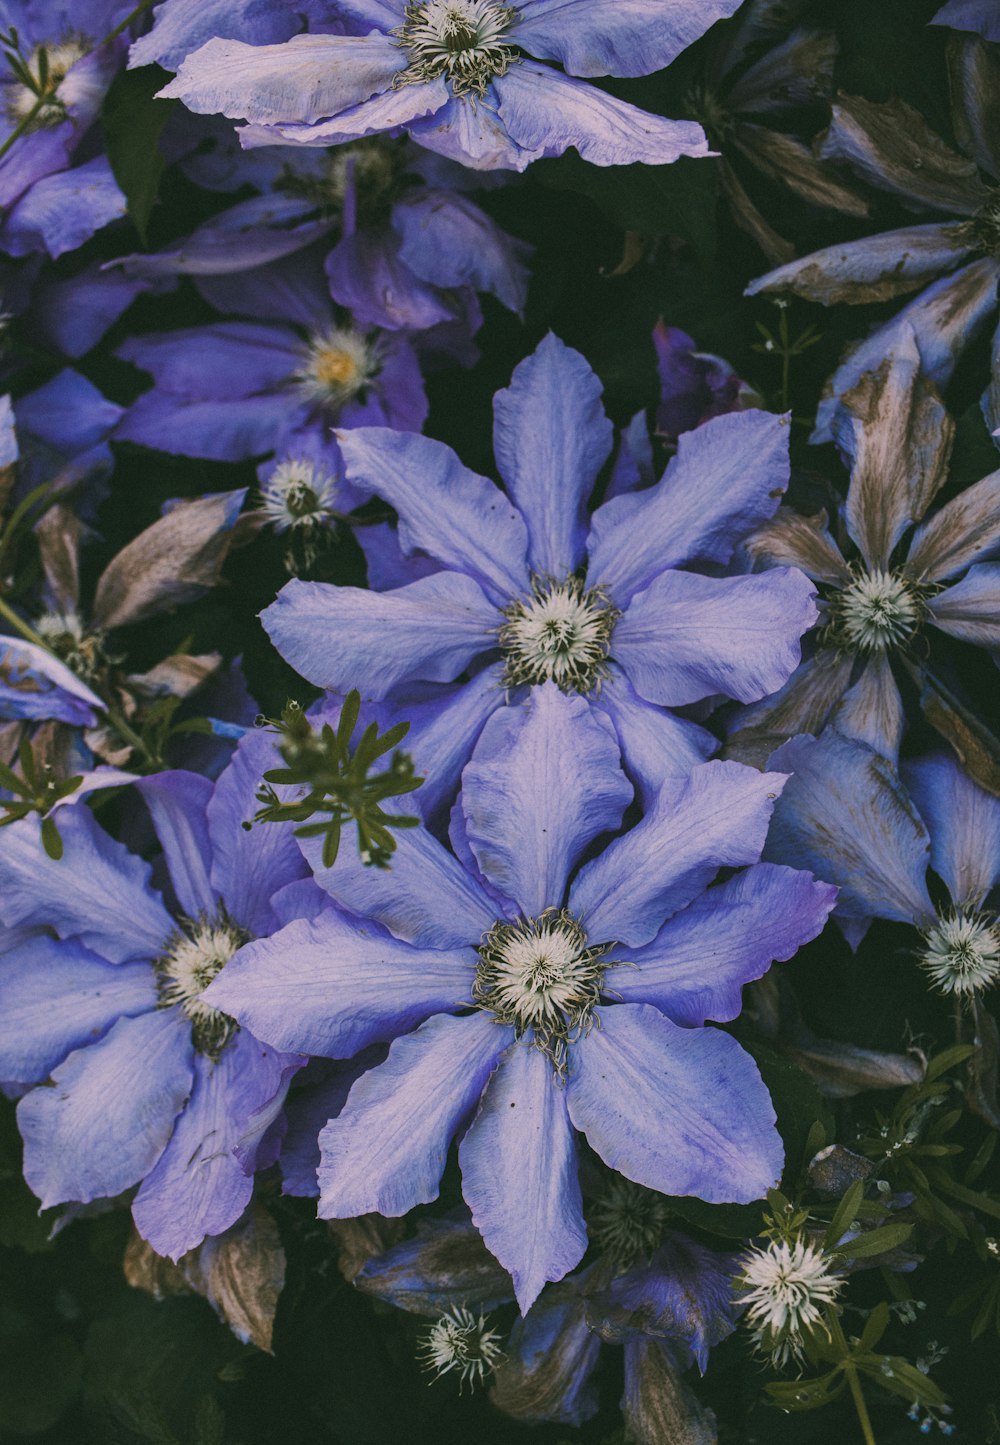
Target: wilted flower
point(786, 1287)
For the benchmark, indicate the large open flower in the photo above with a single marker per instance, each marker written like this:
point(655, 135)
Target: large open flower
point(463, 78)
point(539, 1002)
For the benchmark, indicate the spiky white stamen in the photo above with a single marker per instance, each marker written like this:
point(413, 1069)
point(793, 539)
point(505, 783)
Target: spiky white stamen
point(878, 610)
point(461, 1341)
point(560, 633)
point(68, 637)
point(961, 953)
point(785, 1289)
point(21, 99)
point(299, 494)
point(339, 364)
point(466, 41)
point(628, 1221)
point(539, 974)
point(188, 965)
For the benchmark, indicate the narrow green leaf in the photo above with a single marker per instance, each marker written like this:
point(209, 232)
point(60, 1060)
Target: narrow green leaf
point(133, 120)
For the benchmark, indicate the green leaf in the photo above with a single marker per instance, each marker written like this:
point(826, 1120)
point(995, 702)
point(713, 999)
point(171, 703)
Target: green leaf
point(51, 841)
point(875, 1241)
point(947, 1059)
point(875, 1326)
point(846, 1211)
point(133, 120)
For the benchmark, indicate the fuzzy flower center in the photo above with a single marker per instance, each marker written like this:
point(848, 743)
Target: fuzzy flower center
point(878, 610)
point(191, 961)
point(985, 225)
point(561, 633)
point(961, 953)
point(461, 1341)
point(298, 494)
point(372, 166)
point(462, 40)
point(339, 364)
point(69, 639)
point(48, 66)
point(628, 1221)
point(786, 1289)
point(539, 974)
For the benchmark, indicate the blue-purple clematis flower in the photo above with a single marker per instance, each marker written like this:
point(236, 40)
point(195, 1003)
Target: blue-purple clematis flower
point(180, 26)
point(953, 263)
point(694, 385)
point(139, 1081)
point(240, 389)
point(525, 1001)
point(463, 77)
point(980, 16)
point(525, 584)
point(846, 813)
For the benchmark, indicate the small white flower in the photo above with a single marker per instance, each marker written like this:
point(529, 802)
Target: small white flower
point(339, 363)
point(299, 495)
point(188, 965)
point(461, 1341)
point(961, 953)
point(60, 59)
point(560, 633)
point(877, 611)
point(785, 1289)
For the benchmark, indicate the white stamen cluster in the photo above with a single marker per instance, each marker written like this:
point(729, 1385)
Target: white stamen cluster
point(339, 364)
point(560, 633)
point(628, 1221)
point(878, 610)
point(539, 974)
point(21, 99)
point(462, 40)
point(67, 636)
point(461, 1341)
point(785, 1289)
point(961, 953)
point(187, 967)
point(299, 495)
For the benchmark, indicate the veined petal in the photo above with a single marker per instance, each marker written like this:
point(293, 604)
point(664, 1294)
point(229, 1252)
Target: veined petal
point(369, 277)
point(519, 1174)
point(633, 37)
point(545, 110)
point(970, 608)
point(686, 637)
point(57, 997)
point(543, 783)
point(717, 817)
point(803, 705)
point(871, 710)
point(655, 745)
point(303, 80)
point(61, 212)
point(404, 106)
point(551, 1354)
point(965, 530)
point(332, 986)
point(109, 1111)
point(473, 136)
point(35, 685)
point(184, 25)
point(446, 240)
point(792, 540)
point(845, 816)
point(696, 966)
point(874, 268)
point(218, 431)
point(683, 1111)
point(964, 824)
point(216, 363)
point(177, 800)
point(727, 478)
point(385, 1152)
point(551, 437)
point(340, 636)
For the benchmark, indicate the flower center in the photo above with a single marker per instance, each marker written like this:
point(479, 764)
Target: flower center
point(560, 633)
point(628, 1221)
point(463, 40)
point(461, 1341)
point(81, 650)
point(785, 1290)
point(878, 610)
point(187, 967)
point(539, 974)
point(371, 166)
point(298, 494)
point(340, 364)
point(47, 66)
point(961, 952)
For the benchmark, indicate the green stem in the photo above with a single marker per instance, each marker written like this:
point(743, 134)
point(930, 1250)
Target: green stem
point(857, 1395)
point(140, 9)
point(22, 125)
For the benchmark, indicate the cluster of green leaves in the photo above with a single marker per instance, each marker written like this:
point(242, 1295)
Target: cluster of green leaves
point(337, 782)
point(35, 790)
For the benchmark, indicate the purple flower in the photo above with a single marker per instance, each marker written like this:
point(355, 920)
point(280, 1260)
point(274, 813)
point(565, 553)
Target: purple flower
point(142, 1082)
point(898, 437)
point(240, 389)
point(535, 1005)
point(694, 387)
point(954, 264)
point(635, 634)
point(846, 814)
point(180, 26)
point(461, 76)
point(978, 15)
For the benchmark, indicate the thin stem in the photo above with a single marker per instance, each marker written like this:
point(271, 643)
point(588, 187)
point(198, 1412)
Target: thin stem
point(26, 631)
point(857, 1394)
point(23, 125)
point(140, 9)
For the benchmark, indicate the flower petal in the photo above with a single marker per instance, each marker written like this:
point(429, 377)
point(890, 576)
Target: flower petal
point(35, 685)
point(369, 277)
point(871, 710)
point(106, 1117)
point(683, 1111)
point(222, 362)
point(970, 609)
point(803, 705)
point(385, 1152)
point(473, 136)
point(792, 540)
point(655, 745)
point(177, 800)
point(964, 824)
point(874, 268)
point(965, 530)
point(551, 1355)
point(519, 1174)
point(635, 37)
point(445, 239)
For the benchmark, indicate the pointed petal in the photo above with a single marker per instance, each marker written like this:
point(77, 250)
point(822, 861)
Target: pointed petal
point(448, 241)
point(550, 1357)
point(845, 816)
point(332, 987)
point(543, 783)
point(655, 745)
point(715, 818)
point(978, 15)
point(57, 997)
point(970, 609)
point(965, 530)
point(106, 1117)
point(683, 1111)
point(337, 637)
point(974, 74)
point(185, 25)
point(696, 966)
point(35, 685)
point(220, 431)
point(443, 733)
point(98, 891)
point(658, 1404)
point(519, 1174)
point(793, 540)
point(636, 37)
point(552, 437)
point(687, 637)
point(871, 710)
point(473, 136)
point(385, 1153)
point(369, 277)
point(726, 479)
point(177, 801)
point(964, 824)
point(875, 268)
point(803, 705)
point(445, 1266)
point(406, 105)
point(227, 360)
